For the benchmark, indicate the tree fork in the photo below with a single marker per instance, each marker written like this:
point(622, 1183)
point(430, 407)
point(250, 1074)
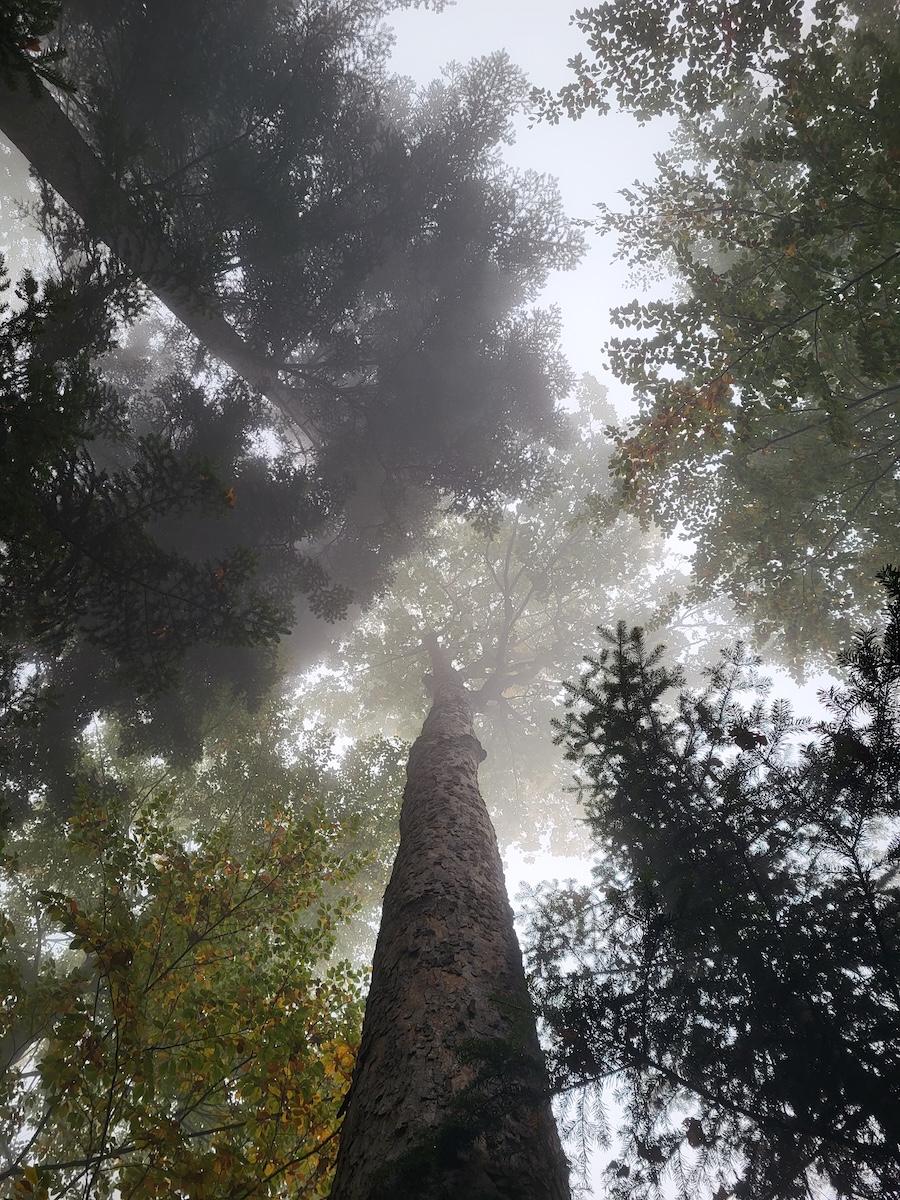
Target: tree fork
point(449, 1098)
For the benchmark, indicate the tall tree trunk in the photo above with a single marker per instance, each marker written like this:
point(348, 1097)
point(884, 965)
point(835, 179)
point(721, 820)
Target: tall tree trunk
point(449, 1095)
point(60, 155)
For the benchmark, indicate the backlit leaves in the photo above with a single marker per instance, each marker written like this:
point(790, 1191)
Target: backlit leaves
point(733, 971)
point(768, 385)
point(191, 1038)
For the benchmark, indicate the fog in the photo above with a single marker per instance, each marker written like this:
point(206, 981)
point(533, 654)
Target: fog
point(530, 377)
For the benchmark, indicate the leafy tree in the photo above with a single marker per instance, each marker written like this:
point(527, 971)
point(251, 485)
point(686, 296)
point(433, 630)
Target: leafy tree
point(685, 58)
point(130, 558)
point(449, 1060)
point(483, 1016)
point(767, 385)
point(515, 600)
point(344, 236)
point(193, 1040)
point(733, 973)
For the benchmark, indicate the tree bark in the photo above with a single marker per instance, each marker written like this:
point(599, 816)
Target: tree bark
point(449, 1097)
point(58, 153)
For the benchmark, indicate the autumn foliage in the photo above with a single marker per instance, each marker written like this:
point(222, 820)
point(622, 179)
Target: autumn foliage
point(186, 1036)
point(689, 417)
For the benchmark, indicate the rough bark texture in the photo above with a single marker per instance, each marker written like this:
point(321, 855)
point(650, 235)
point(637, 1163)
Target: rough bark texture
point(60, 155)
point(448, 1097)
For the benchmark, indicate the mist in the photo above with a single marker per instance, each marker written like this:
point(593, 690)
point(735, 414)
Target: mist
point(426, 433)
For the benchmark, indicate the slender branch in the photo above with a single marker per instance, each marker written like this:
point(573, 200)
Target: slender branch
point(92, 1160)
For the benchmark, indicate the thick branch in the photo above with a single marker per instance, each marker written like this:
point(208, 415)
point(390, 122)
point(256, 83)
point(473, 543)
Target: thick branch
point(60, 155)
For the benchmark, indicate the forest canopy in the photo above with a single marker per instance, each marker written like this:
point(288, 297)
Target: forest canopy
point(288, 444)
point(352, 244)
point(768, 384)
point(732, 971)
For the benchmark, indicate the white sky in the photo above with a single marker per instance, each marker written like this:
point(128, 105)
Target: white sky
point(593, 158)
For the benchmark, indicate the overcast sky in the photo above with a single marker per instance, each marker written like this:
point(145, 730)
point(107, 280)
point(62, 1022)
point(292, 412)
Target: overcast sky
point(593, 158)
